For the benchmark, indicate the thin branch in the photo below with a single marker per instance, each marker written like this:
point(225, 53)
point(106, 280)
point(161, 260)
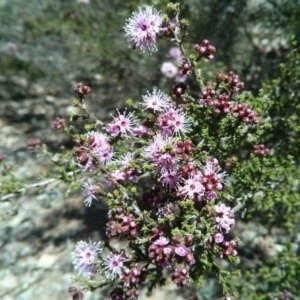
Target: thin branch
point(35, 185)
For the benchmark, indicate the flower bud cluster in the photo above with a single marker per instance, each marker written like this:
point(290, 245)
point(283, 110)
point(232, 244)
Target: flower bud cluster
point(58, 123)
point(164, 253)
point(120, 223)
point(261, 150)
point(245, 114)
point(184, 148)
point(205, 49)
point(184, 68)
point(231, 80)
point(222, 102)
point(82, 90)
point(228, 249)
point(133, 277)
point(179, 277)
point(219, 95)
point(33, 144)
point(119, 293)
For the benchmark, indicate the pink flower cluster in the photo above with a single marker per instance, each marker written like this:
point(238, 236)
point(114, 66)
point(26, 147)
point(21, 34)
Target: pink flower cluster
point(165, 253)
point(224, 218)
point(95, 148)
point(188, 181)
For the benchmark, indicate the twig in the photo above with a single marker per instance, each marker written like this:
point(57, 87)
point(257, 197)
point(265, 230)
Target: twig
point(35, 185)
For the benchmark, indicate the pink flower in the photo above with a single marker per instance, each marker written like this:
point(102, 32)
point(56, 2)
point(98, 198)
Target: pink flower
point(166, 161)
point(173, 122)
point(161, 241)
point(175, 52)
point(224, 218)
point(170, 179)
point(84, 258)
point(89, 192)
point(125, 160)
point(97, 143)
point(157, 101)
point(181, 250)
point(142, 27)
point(168, 69)
point(104, 155)
point(113, 265)
point(118, 175)
point(140, 130)
point(222, 209)
point(97, 140)
point(211, 195)
point(123, 124)
point(212, 169)
point(158, 146)
point(219, 238)
point(192, 188)
point(180, 123)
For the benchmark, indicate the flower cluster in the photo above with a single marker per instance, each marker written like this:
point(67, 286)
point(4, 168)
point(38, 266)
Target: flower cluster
point(163, 253)
point(224, 218)
point(94, 148)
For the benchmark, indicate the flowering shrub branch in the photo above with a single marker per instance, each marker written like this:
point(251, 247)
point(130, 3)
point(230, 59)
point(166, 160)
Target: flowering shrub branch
point(174, 180)
point(162, 165)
